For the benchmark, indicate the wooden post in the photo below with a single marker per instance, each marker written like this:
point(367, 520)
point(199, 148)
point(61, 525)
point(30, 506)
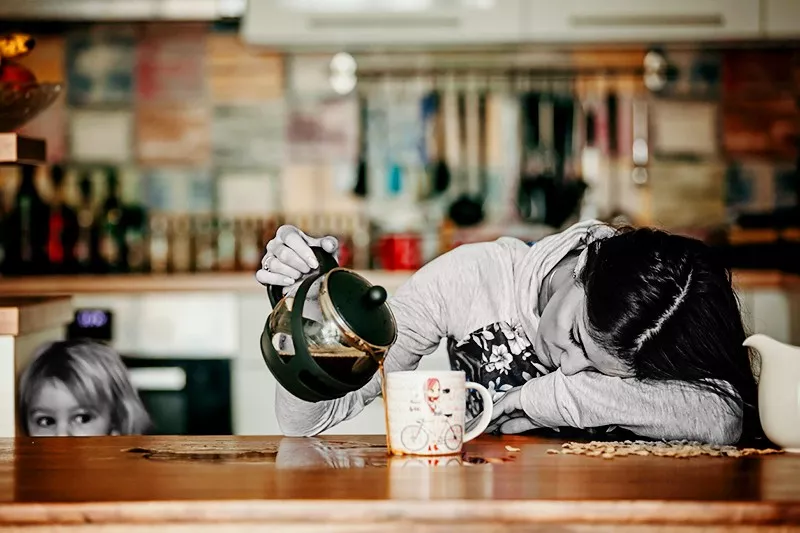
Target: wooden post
point(25, 323)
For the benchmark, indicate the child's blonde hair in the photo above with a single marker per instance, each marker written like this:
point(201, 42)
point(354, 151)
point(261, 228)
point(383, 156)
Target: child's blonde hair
point(94, 373)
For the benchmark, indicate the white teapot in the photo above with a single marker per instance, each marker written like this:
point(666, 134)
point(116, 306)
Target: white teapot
point(778, 390)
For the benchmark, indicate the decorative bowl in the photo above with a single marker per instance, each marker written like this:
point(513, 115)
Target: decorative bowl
point(22, 102)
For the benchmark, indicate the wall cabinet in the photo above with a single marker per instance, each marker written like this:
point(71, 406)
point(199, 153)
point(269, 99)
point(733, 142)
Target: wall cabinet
point(356, 23)
point(352, 24)
point(781, 18)
point(641, 20)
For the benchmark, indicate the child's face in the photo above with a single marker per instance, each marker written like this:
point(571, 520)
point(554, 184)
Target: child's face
point(55, 412)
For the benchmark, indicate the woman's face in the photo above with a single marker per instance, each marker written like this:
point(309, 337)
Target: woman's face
point(563, 337)
point(55, 412)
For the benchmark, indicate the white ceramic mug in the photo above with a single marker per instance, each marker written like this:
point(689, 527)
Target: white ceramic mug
point(426, 412)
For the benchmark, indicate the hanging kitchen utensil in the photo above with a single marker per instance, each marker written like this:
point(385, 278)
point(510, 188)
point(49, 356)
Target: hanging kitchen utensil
point(568, 189)
point(483, 150)
point(322, 344)
point(360, 188)
point(509, 145)
point(395, 107)
point(563, 128)
point(536, 177)
point(612, 111)
point(462, 161)
point(441, 172)
point(463, 211)
point(640, 150)
point(587, 159)
point(467, 210)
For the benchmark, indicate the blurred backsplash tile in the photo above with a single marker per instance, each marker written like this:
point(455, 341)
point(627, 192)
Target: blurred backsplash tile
point(175, 190)
point(173, 134)
point(242, 193)
point(321, 129)
point(241, 73)
point(249, 135)
point(101, 136)
point(100, 66)
point(201, 121)
point(170, 64)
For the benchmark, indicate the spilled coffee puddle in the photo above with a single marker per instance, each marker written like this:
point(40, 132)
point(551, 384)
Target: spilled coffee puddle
point(350, 444)
point(315, 453)
point(210, 456)
point(470, 459)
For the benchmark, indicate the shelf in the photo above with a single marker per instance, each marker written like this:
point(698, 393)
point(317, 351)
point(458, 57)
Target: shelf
point(765, 279)
point(23, 315)
point(158, 283)
point(245, 282)
point(17, 150)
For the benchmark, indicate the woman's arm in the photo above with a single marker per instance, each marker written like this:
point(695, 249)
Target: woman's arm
point(425, 309)
point(654, 409)
point(418, 333)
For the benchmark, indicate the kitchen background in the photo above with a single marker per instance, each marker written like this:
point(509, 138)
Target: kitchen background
point(212, 138)
point(179, 147)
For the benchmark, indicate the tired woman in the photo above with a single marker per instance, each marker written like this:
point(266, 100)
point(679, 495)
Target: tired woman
point(589, 328)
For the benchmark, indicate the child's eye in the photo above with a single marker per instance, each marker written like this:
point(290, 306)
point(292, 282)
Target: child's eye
point(45, 421)
point(83, 418)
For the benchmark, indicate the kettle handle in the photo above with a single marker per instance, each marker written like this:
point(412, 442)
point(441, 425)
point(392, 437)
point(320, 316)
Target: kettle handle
point(326, 263)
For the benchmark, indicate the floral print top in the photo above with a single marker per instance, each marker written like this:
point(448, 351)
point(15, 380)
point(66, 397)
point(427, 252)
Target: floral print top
point(498, 356)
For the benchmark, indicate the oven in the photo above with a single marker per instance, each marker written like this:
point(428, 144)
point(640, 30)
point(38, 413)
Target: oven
point(184, 395)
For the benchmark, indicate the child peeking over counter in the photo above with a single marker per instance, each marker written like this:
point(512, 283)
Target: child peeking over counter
point(79, 388)
point(592, 328)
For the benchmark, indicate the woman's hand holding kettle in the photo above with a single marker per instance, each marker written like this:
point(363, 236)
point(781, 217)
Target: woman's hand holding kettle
point(289, 258)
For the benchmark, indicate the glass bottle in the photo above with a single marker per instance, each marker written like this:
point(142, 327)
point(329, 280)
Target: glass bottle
point(159, 244)
point(62, 227)
point(112, 231)
point(86, 243)
point(26, 253)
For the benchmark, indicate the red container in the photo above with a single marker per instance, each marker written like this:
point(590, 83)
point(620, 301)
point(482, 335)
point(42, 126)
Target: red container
point(345, 252)
point(400, 251)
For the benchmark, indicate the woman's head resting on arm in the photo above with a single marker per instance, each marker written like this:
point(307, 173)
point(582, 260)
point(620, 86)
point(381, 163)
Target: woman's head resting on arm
point(651, 305)
point(79, 388)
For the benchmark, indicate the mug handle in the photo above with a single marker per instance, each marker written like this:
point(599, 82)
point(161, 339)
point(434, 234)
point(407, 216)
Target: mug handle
point(486, 415)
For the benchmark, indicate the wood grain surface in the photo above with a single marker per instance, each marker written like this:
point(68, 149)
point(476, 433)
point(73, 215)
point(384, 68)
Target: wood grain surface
point(24, 314)
point(349, 484)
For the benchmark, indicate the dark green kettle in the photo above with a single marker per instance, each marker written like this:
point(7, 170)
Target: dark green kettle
point(330, 337)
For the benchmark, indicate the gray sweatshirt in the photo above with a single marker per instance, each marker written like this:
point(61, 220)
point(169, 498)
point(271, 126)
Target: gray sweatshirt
point(483, 298)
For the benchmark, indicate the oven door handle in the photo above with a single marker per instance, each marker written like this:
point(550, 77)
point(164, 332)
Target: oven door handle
point(166, 379)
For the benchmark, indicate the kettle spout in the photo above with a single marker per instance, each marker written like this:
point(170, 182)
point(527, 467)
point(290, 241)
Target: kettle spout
point(767, 347)
point(760, 342)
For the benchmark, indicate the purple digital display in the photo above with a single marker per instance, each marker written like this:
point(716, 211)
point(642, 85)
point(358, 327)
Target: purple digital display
point(91, 318)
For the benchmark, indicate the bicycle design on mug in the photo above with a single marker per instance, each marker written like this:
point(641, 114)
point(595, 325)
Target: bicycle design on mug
point(417, 437)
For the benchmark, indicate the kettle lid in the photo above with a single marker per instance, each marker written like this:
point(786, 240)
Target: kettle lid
point(359, 307)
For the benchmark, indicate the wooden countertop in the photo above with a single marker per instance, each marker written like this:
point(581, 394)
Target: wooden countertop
point(24, 314)
point(245, 282)
point(348, 484)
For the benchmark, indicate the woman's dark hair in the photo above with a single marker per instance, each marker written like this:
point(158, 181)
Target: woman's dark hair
point(666, 306)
